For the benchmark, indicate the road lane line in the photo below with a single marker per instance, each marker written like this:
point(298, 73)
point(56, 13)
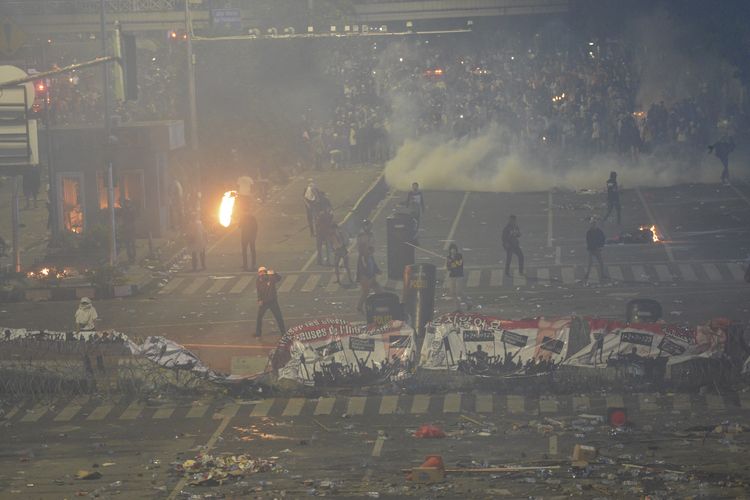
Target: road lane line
point(483, 403)
point(712, 272)
point(356, 405)
point(311, 283)
point(324, 406)
point(195, 285)
point(288, 281)
point(473, 280)
point(549, 219)
point(568, 275)
point(172, 285)
point(615, 272)
point(71, 410)
point(664, 235)
point(688, 273)
point(293, 407)
point(388, 405)
point(420, 404)
point(217, 286)
point(663, 272)
point(454, 226)
point(262, 408)
point(452, 403)
point(241, 284)
point(377, 449)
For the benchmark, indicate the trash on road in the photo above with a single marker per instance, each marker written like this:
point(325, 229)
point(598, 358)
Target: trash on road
point(429, 431)
point(208, 470)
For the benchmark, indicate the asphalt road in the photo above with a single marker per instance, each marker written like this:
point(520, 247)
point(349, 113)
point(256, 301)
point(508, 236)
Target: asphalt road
point(696, 272)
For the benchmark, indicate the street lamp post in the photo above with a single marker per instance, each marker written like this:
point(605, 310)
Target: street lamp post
point(108, 142)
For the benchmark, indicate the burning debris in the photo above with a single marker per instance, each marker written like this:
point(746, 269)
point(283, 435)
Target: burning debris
point(227, 207)
point(644, 234)
point(47, 273)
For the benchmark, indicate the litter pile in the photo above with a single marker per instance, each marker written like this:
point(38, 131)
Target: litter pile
point(210, 470)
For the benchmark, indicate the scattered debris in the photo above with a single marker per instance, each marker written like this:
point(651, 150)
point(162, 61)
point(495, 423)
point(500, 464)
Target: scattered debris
point(208, 470)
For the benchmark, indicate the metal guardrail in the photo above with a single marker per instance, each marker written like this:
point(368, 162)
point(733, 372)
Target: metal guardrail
point(26, 7)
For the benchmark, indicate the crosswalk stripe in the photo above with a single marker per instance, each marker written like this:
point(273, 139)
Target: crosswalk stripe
point(356, 405)
point(388, 405)
point(712, 272)
point(519, 279)
point(217, 286)
point(581, 403)
point(548, 405)
point(228, 411)
point(473, 279)
point(738, 273)
point(172, 285)
point(12, 412)
point(496, 277)
point(640, 274)
point(483, 403)
point(714, 402)
point(311, 283)
point(515, 403)
point(745, 402)
point(241, 284)
point(293, 407)
point(101, 411)
point(324, 406)
point(615, 272)
point(688, 273)
point(35, 413)
point(663, 272)
point(420, 404)
point(195, 285)
point(132, 411)
point(542, 274)
point(568, 275)
point(681, 402)
point(262, 408)
point(452, 403)
point(647, 402)
point(288, 282)
point(71, 410)
point(332, 286)
point(615, 401)
point(594, 275)
point(197, 409)
point(164, 412)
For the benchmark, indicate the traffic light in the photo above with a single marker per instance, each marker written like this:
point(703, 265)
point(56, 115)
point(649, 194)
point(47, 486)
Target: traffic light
point(126, 75)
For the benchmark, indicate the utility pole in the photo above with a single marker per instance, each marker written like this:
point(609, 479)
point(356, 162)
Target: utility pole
point(193, 107)
point(108, 142)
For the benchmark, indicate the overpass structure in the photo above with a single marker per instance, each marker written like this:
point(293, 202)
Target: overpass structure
point(49, 17)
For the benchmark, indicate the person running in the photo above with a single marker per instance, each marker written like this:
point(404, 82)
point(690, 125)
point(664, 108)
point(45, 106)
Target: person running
point(595, 244)
point(338, 241)
point(265, 286)
point(367, 272)
point(722, 149)
point(613, 197)
point(415, 202)
point(512, 244)
point(455, 265)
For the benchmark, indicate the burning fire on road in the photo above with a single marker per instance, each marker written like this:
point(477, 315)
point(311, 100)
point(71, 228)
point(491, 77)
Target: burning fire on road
point(654, 233)
point(227, 207)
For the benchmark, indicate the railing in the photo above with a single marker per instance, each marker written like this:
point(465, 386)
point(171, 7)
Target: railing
point(27, 7)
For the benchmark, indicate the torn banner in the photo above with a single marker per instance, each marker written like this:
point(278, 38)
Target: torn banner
point(336, 352)
point(487, 344)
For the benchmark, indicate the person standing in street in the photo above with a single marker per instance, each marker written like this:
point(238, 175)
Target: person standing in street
point(722, 149)
point(613, 197)
point(365, 237)
point(323, 228)
point(310, 197)
point(249, 230)
point(197, 243)
point(415, 202)
point(338, 241)
point(512, 244)
point(595, 244)
point(268, 299)
point(128, 229)
point(367, 272)
point(86, 316)
point(455, 265)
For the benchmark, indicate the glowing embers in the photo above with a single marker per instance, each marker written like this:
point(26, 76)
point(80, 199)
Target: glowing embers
point(227, 207)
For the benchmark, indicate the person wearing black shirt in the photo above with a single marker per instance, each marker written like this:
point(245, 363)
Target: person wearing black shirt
point(455, 265)
point(613, 197)
point(512, 244)
point(594, 244)
point(268, 299)
point(722, 149)
point(415, 202)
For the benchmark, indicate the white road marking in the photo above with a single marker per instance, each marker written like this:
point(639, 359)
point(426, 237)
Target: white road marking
point(35, 413)
point(650, 215)
point(195, 285)
point(484, 403)
point(615, 273)
point(581, 403)
point(293, 407)
point(496, 277)
point(332, 286)
point(287, 282)
point(197, 409)
point(681, 402)
point(324, 406)
point(71, 410)
point(473, 280)
point(217, 286)
point(388, 405)
point(133, 411)
point(738, 273)
point(100, 412)
point(519, 279)
point(542, 274)
point(420, 404)
point(663, 272)
point(452, 231)
point(568, 275)
point(712, 272)
point(241, 284)
point(452, 403)
point(739, 193)
point(688, 273)
point(515, 403)
point(640, 273)
point(311, 283)
point(262, 408)
point(172, 285)
point(548, 405)
point(164, 412)
point(356, 405)
point(615, 401)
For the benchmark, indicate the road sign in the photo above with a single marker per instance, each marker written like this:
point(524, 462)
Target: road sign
point(12, 37)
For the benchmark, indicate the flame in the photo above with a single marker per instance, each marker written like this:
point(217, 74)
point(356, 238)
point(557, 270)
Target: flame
point(654, 233)
point(226, 208)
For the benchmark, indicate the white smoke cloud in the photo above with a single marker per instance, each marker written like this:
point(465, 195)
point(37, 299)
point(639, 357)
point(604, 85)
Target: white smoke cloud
point(478, 164)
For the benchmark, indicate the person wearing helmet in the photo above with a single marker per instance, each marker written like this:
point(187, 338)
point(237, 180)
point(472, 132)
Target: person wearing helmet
point(86, 315)
point(265, 285)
